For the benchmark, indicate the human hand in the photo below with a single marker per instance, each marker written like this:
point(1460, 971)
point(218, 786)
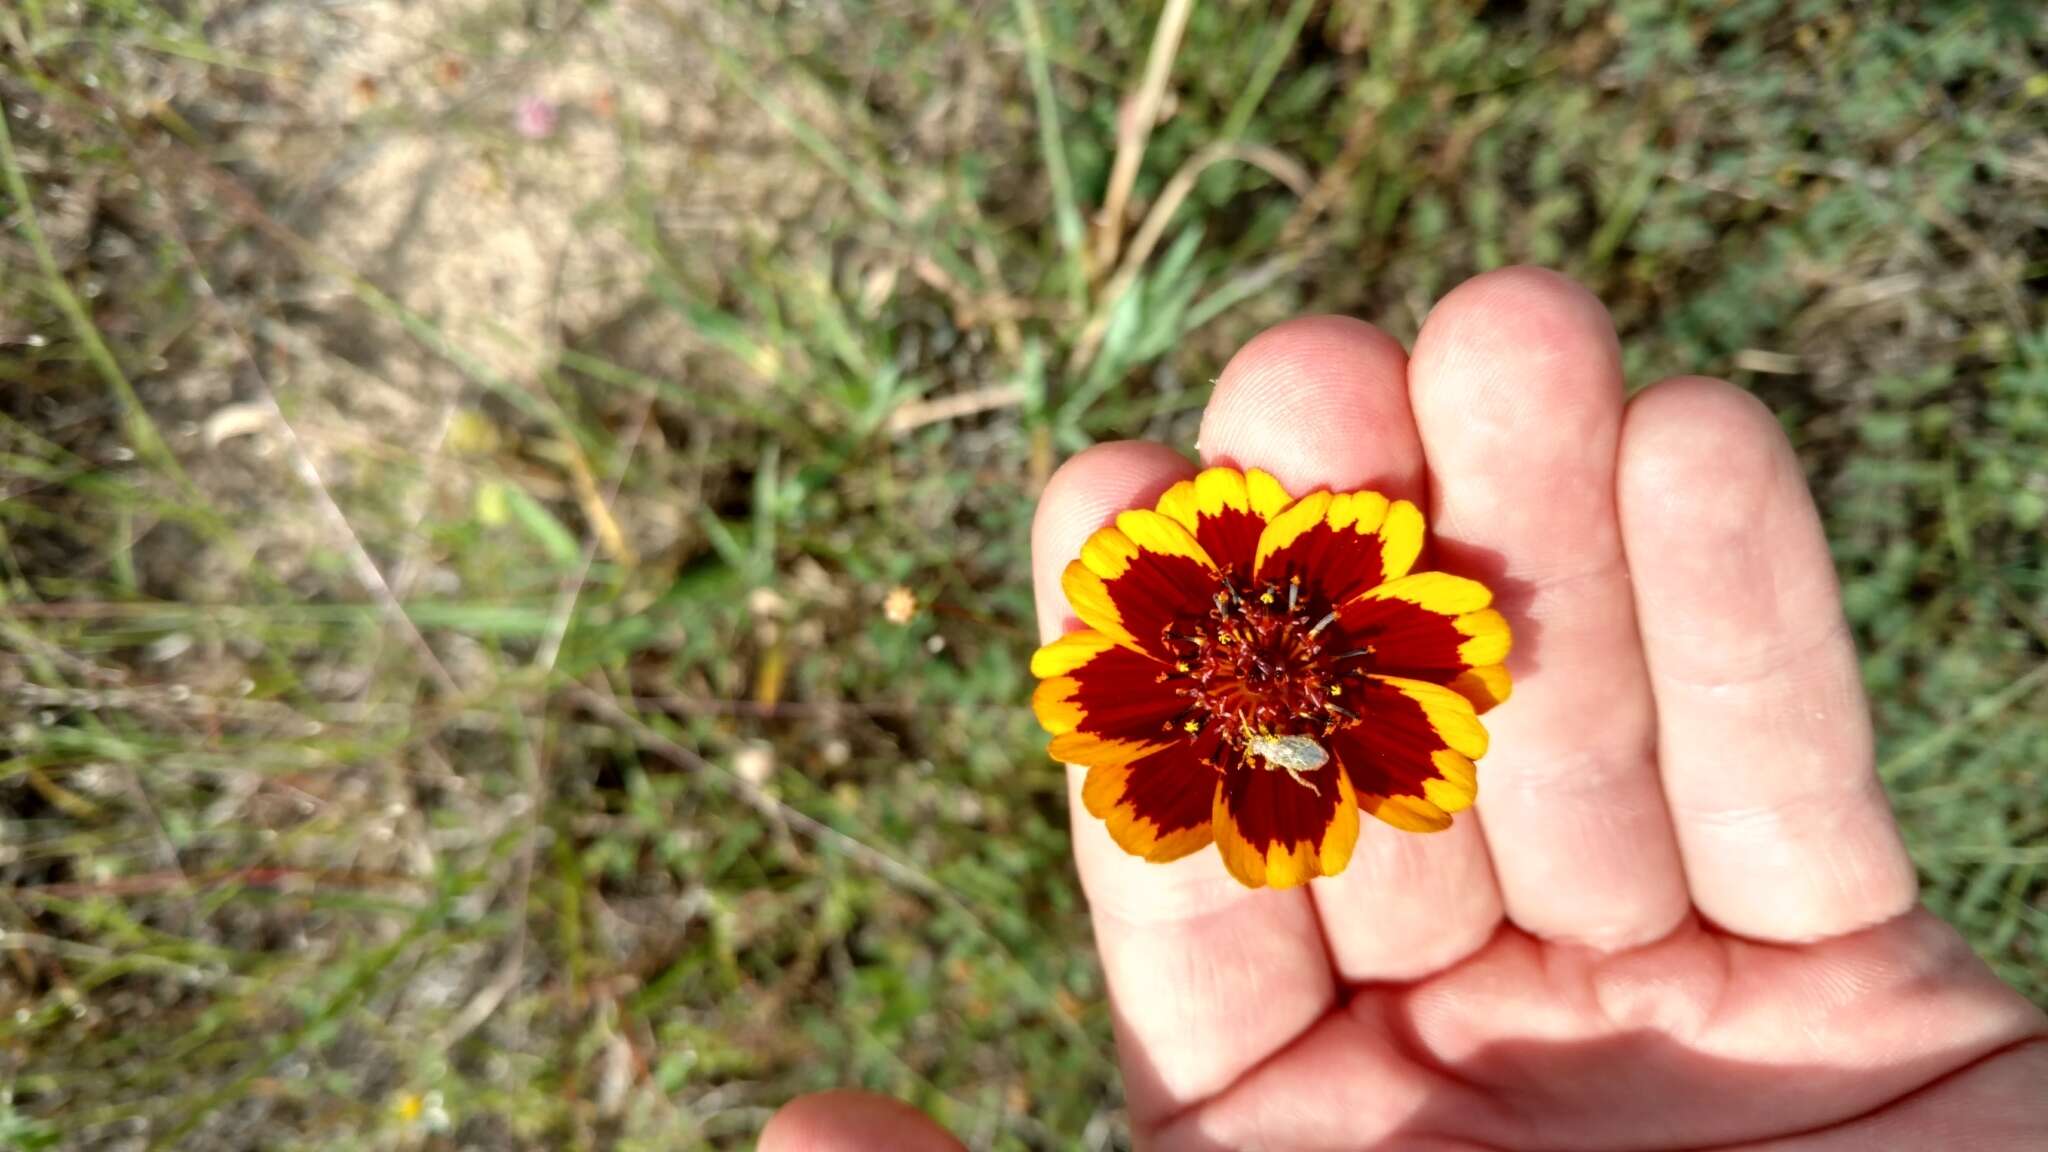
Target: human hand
point(1683, 918)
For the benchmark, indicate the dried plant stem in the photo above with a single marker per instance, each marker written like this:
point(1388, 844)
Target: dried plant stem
point(1134, 129)
point(1271, 161)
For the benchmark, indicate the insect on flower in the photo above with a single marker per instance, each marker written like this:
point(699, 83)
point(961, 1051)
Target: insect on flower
point(1290, 754)
point(1255, 670)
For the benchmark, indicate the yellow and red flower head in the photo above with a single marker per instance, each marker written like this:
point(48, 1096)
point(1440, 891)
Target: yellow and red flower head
point(1255, 669)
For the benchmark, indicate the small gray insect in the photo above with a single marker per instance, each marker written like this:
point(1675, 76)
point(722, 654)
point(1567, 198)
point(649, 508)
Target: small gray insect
point(1292, 755)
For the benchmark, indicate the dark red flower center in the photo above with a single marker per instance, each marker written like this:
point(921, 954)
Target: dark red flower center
point(1264, 662)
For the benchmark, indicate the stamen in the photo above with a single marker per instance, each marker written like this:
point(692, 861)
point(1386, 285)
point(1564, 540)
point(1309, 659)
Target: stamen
point(1248, 666)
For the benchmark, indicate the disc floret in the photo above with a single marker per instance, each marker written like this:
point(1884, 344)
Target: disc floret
point(1257, 670)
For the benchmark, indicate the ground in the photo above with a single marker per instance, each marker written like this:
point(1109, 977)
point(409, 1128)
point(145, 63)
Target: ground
point(513, 578)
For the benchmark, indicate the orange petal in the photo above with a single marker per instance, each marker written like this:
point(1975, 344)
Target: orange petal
point(1156, 806)
point(1450, 715)
point(1092, 751)
point(1107, 691)
point(1429, 626)
point(1340, 545)
point(1088, 595)
point(1488, 638)
point(1437, 592)
point(1054, 704)
point(1069, 652)
point(1411, 761)
point(1226, 510)
point(1484, 687)
point(1111, 552)
point(1139, 577)
point(1275, 832)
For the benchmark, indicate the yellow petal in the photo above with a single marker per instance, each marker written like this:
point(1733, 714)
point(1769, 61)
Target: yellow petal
point(1090, 600)
point(1485, 687)
point(1459, 784)
point(1450, 714)
point(1290, 525)
point(1215, 489)
point(1240, 858)
point(1490, 638)
point(1409, 813)
point(1103, 794)
point(1287, 864)
point(1438, 592)
point(1359, 512)
point(1178, 502)
point(1092, 751)
point(1103, 787)
point(1054, 704)
point(1108, 552)
point(1220, 489)
point(1342, 837)
point(1157, 534)
point(1069, 652)
point(1402, 532)
point(1267, 498)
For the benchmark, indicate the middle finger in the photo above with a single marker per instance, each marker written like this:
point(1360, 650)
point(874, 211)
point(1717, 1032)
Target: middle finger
point(1518, 394)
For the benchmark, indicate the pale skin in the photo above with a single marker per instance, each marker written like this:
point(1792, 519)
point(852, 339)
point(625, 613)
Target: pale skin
point(1680, 917)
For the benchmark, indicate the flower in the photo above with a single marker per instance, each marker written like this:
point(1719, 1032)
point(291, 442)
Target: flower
point(1254, 670)
point(900, 605)
point(535, 117)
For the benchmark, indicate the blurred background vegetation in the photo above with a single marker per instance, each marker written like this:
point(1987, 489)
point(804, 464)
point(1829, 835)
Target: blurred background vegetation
point(513, 569)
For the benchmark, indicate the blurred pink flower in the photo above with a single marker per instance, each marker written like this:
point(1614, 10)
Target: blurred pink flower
point(535, 118)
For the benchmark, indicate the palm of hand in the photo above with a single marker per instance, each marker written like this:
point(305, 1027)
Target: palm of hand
point(1687, 746)
point(1891, 1038)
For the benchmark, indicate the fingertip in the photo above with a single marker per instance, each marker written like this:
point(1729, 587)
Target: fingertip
point(1701, 453)
point(1707, 478)
point(1084, 494)
point(1514, 343)
point(847, 1121)
point(1524, 310)
point(1319, 402)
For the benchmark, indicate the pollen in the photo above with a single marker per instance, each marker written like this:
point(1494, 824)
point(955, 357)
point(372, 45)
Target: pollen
point(1260, 667)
